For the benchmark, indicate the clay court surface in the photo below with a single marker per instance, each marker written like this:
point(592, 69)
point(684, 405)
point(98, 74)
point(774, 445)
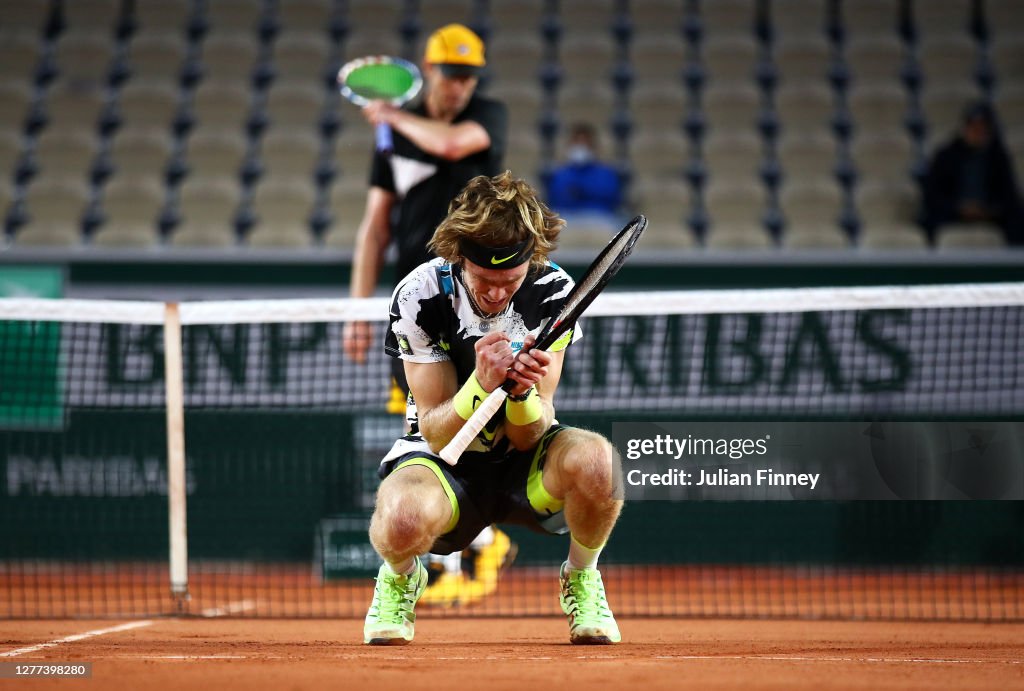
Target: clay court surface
point(520, 653)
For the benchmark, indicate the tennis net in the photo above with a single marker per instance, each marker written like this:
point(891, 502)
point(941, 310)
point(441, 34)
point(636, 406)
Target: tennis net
point(283, 434)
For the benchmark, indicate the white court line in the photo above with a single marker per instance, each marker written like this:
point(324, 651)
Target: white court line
point(76, 637)
point(230, 608)
point(765, 658)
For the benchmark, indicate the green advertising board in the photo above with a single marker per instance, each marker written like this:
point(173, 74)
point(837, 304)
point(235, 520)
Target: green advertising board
point(30, 381)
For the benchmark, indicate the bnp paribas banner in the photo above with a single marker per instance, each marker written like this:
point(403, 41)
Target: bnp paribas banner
point(30, 382)
point(851, 364)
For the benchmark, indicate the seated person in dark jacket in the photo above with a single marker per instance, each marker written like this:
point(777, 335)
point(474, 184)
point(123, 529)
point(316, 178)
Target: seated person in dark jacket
point(971, 180)
point(585, 189)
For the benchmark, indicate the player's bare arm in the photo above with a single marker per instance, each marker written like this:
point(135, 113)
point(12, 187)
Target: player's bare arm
point(371, 244)
point(445, 140)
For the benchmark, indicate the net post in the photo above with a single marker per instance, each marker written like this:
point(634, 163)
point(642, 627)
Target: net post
point(176, 484)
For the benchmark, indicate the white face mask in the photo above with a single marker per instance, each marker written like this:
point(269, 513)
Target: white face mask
point(580, 154)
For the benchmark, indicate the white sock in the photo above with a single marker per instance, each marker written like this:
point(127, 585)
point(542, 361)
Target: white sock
point(405, 568)
point(581, 556)
point(486, 537)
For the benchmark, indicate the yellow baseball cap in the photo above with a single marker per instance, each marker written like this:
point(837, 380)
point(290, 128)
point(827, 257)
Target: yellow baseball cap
point(456, 50)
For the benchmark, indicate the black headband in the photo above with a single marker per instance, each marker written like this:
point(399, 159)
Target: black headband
point(497, 257)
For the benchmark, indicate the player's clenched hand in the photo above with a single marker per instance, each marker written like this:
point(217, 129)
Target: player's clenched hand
point(377, 112)
point(529, 367)
point(493, 358)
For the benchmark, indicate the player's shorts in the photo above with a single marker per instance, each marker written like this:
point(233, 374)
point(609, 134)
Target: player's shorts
point(491, 488)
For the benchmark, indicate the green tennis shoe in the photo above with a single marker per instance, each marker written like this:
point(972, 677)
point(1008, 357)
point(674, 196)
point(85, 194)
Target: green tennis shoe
point(591, 621)
point(391, 619)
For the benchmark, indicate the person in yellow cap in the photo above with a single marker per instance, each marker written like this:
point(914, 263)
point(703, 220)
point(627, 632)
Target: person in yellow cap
point(441, 141)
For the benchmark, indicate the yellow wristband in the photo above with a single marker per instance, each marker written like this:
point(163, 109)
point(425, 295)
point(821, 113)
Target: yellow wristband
point(524, 412)
point(469, 397)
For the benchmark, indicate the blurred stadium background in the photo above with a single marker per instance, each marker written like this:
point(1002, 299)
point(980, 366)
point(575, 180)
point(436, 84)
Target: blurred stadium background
point(195, 149)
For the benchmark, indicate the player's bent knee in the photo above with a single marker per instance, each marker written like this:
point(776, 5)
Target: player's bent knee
point(588, 460)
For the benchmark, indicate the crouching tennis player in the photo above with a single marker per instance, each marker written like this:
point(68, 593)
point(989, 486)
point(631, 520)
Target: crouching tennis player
point(457, 322)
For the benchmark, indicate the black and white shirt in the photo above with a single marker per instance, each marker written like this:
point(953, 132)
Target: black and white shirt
point(433, 320)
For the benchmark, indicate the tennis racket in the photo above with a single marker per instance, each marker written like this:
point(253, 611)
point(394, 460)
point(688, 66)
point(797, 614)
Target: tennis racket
point(601, 271)
point(380, 78)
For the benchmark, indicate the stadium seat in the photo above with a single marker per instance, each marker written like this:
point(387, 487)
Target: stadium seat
point(84, 59)
point(947, 60)
point(301, 58)
point(806, 156)
point(215, 153)
point(803, 59)
point(15, 99)
point(866, 18)
point(207, 210)
point(289, 154)
point(282, 209)
point(732, 156)
point(230, 57)
point(522, 100)
point(949, 17)
point(515, 58)
point(731, 109)
point(587, 58)
point(387, 42)
point(145, 103)
point(10, 152)
point(882, 157)
point(19, 54)
point(655, 19)
point(805, 108)
point(729, 60)
point(970, 235)
point(522, 155)
point(892, 206)
point(877, 108)
point(221, 104)
point(44, 233)
point(227, 17)
point(141, 154)
point(665, 202)
point(727, 17)
point(73, 107)
point(347, 201)
point(56, 204)
point(1005, 16)
point(798, 17)
point(735, 210)
point(24, 16)
point(591, 102)
point(658, 58)
point(157, 57)
point(875, 59)
point(371, 18)
point(1008, 59)
point(660, 155)
point(67, 153)
point(658, 108)
point(1009, 104)
point(812, 211)
point(592, 17)
point(305, 15)
point(441, 12)
point(99, 16)
point(515, 17)
point(162, 15)
point(295, 106)
point(131, 208)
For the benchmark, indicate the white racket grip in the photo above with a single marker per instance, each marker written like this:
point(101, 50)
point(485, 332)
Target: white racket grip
point(488, 407)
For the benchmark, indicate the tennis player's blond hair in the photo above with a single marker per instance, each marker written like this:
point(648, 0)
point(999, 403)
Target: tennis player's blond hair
point(497, 211)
